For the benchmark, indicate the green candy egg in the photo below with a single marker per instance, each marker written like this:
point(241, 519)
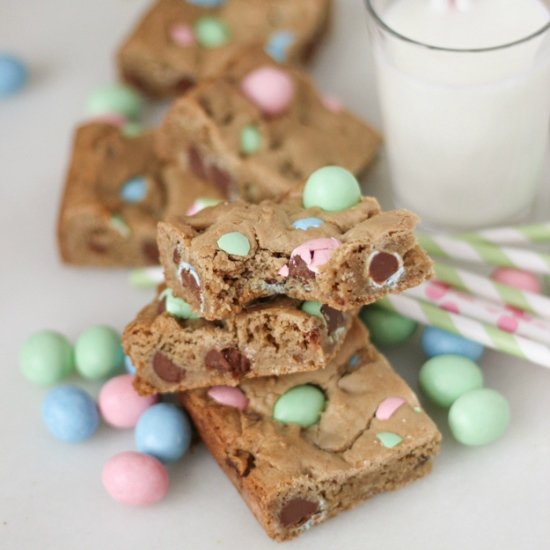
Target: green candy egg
point(389, 439)
point(479, 417)
point(332, 188)
point(300, 405)
point(46, 357)
point(313, 308)
point(115, 98)
point(98, 352)
point(251, 140)
point(446, 377)
point(176, 306)
point(132, 129)
point(211, 32)
point(387, 328)
point(234, 243)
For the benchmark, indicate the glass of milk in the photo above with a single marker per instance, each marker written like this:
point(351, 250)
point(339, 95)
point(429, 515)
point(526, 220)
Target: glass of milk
point(464, 88)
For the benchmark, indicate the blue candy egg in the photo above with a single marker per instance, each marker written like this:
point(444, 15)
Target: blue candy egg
point(163, 431)
point(70, 414)
point(129, 366)
point(206, 3)
point(134, 190)
point(306, 223)
point(278, 44)
point(436, 341)
point(13, 74)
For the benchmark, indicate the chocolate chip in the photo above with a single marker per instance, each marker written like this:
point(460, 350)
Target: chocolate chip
point(227, 360)
point(242, 462)
point(196, 163)
point(313, 337)
point(97, 247)
point(161, 307)
point(334, 318)
point(299, 269)
point(183, 85)
point(150, 251)
point(297, 511)
point(382, 266)
point(190, 282)
point(166, 369)
point(221, 179)
point(176, 257)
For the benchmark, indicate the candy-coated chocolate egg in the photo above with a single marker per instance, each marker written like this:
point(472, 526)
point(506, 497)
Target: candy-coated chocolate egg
point(135, 479)
point(332, 188)
point(300, 405)
point(270, 89)
point(46, 357)
point(228, 396)
point(234, 243)
point(13, 74)
point(436, 341)
point(163, 431)
point(307, 223)
point(479, 417)
point(251, 140)
point(70, 414)
point(278, 45)
point(446, 377)
point(129, 366)
point(120, 404)
point(387, 328)
point(115, 99)
point(313, 308)
point(98, 352)
point(176, 306)
point(134, 190)
point(211, 32)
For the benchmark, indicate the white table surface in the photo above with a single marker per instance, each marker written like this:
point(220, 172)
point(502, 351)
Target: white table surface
point(496, 497)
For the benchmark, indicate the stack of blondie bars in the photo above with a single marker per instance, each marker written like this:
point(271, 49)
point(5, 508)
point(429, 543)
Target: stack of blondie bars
point(268, 250)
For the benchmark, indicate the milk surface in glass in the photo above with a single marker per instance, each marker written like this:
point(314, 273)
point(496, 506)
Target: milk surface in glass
point(464, 88)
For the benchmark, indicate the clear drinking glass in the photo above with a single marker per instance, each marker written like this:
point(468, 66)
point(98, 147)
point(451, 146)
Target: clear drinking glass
point(466, 130)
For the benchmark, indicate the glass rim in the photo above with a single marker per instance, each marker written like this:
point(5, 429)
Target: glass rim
point(381, 23)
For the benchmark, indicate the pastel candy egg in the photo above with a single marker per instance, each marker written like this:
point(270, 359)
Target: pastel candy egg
point(207, 3)
point(436, 341)
point(13, 74)
point(522, 280)
point(182, 35)
point(70, 414)
point(98, 352)
point(200, 204)
point(479, 417)
point(134, 190)
point(270, 89)
point(46, 357)
point(119, 403)
point(163, 431)
point(135, 479)
point(387, 328)
point(300, 405)
point(234, 243)
point(446, 377)
point(132, 129)
point(332, 188)
point(118, 224)
point(211, 32)
point(115, 99)
point(228, 396)
point(176, 306)
point(278, 45)
point(306, 223)
point(129, 366)
point(251, 140)
point(313, 308)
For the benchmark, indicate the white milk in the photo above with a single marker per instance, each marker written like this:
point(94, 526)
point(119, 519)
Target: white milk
point(466, 132)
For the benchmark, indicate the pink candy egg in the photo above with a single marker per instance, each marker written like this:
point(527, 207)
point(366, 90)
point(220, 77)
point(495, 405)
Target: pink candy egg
point(332, 103)
point(182, 35)
point(270, 89)
point(119, 403)
point(522, 280)
point(226, 395)
point(135, 479)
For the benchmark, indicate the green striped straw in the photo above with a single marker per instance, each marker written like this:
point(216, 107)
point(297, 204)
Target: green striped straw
point(483, 253)
point(537, 304)
point(520, 234)
point(487, 335)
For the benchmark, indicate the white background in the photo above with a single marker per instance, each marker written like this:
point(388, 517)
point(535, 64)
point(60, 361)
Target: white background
point(50, 492)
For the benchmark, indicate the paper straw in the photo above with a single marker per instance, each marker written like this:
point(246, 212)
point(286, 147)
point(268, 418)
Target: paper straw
point(499, 293)
point(521, 234)
point(488, 254)
point(148, 277)
point(508, 320)
point(486, 335)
